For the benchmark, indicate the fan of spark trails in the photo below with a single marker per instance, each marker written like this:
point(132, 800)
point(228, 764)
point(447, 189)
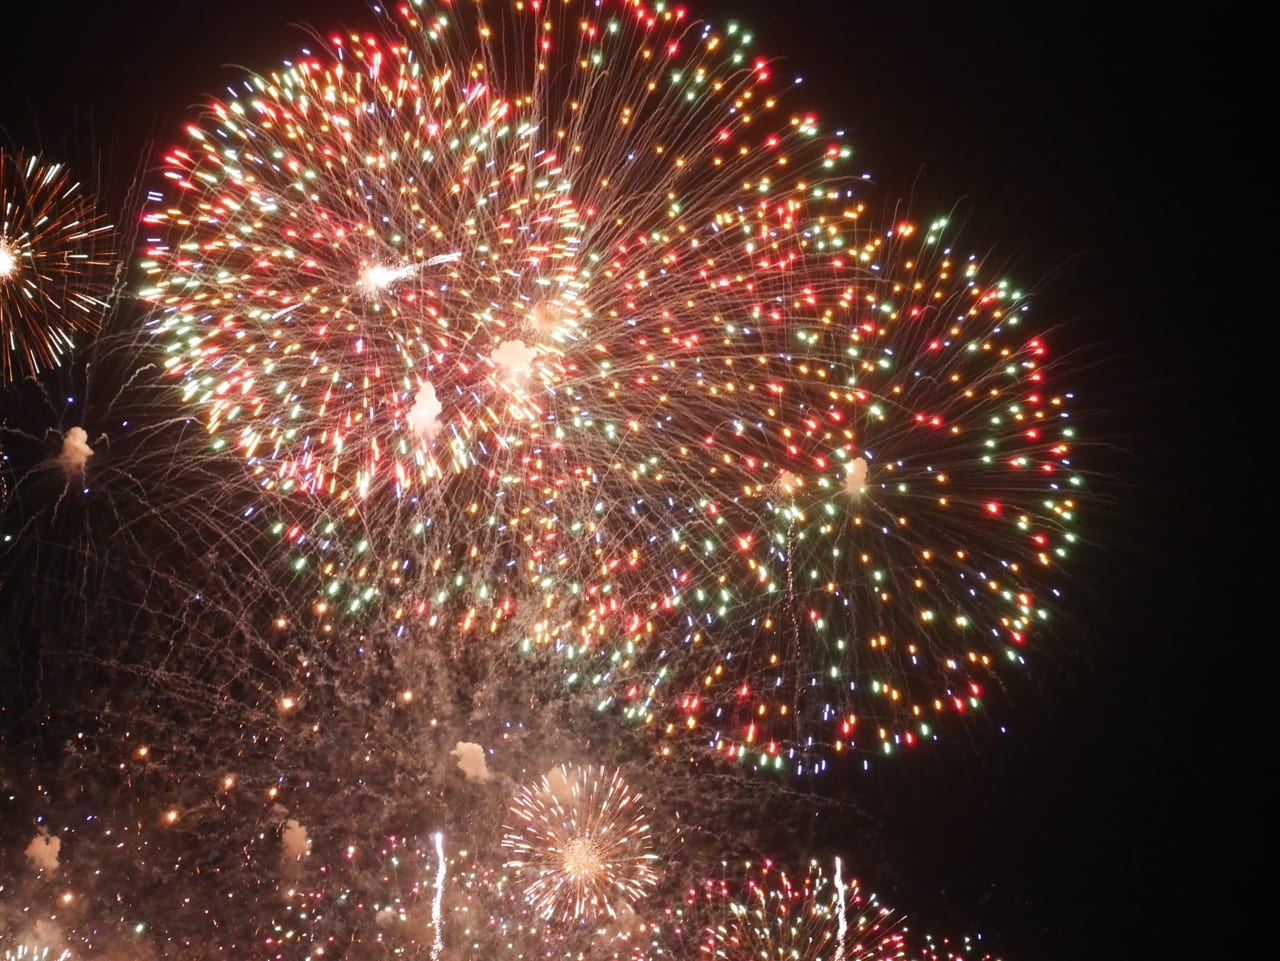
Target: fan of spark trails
point(57, 267)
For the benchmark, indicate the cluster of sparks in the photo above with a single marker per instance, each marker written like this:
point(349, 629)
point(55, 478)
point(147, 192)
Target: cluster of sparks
point(816, 917)
point(582, 843)
point(753, 913)
point(552, 329)
point(56, 264)
point(590, 343)
point(812, 918)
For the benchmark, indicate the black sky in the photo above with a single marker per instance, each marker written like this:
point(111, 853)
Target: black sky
point(1080, 150)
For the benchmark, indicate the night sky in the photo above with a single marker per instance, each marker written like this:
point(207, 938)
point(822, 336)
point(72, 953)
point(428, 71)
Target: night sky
point(1062, 145)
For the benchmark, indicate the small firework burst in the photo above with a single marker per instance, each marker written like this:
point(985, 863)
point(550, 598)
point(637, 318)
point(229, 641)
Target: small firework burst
point(56, 265)
point(582, 843)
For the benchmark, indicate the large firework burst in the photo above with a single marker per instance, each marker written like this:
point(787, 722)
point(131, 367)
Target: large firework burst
point(567, 327)
point(582, 844)
point(56, 264)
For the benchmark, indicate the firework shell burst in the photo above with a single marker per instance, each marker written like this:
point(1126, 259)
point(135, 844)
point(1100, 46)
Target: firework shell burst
point(57, 265)
point(868, 523)
point(581, 843)
point(814, 916)
point(558, 320)
point(806, 918)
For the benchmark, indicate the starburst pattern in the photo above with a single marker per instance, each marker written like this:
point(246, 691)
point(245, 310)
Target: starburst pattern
point(56, 264)
point(581, 841)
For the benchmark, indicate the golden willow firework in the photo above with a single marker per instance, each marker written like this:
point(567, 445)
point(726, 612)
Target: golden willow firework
point(558, 322)
point(581, 843)
point(56, 264)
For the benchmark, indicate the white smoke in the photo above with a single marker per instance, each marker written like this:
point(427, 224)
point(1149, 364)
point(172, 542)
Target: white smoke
point(559, 784)
point(855, 478)
point(514, 359)
point(43, 850)
point(789, 484)
point(75, 451)
point(471, 761)
point(424, 416)
point(294, 840)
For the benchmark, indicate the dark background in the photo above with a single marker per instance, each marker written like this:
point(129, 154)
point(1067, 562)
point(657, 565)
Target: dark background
point(1091, 156)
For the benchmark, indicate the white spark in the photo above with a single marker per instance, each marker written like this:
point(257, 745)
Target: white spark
point(380, 276)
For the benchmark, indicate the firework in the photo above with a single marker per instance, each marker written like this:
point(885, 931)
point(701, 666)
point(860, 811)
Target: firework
point(413, 283)
point(926, 947)
point(769, 915)
point(28, 953)
point(582, 843)
point(567, 329)
point(804, 919)
point(107, 521)
point(866, 505)
point(462, 906)
point(56, 265)
point(415, 256)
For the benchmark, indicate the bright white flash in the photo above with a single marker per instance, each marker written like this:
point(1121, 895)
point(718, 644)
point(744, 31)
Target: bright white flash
point(380, 276)
point(8, 262)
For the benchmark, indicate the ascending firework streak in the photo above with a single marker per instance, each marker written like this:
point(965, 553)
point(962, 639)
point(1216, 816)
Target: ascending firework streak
point(437, 921)
point(842, 917)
